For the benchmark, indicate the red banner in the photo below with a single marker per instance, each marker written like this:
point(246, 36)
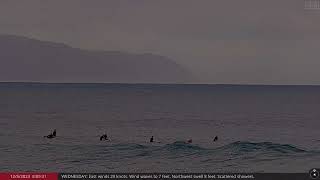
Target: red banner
point(29, 176)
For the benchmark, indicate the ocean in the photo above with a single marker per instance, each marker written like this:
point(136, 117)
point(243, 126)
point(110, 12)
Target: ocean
point(260, 128)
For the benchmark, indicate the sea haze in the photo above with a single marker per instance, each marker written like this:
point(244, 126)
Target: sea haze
point(260, 128)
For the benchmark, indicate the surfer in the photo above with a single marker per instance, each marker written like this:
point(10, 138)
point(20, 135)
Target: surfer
point(215, 139)
point(52, 135)
point(104, 137)
point(151, 139)
point(189, 141)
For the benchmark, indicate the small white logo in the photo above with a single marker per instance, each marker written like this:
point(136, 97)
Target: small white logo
point(311, 4)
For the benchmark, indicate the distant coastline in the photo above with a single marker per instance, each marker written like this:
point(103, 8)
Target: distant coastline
point(26, 59)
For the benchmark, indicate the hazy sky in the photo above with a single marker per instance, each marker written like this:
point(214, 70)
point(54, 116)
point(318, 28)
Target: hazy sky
point(220, 41)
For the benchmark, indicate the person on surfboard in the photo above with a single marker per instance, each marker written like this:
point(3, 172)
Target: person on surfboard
point(215, 139)
point(52, 135)
point(104, 137)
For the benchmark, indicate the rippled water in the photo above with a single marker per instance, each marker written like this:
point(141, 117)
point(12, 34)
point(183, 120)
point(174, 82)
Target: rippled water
point(260, 128)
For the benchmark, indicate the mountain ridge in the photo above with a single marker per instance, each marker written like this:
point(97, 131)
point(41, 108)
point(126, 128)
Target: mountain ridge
point(25, 59)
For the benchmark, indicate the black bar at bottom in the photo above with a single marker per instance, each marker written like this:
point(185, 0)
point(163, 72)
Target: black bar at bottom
point(226, 176)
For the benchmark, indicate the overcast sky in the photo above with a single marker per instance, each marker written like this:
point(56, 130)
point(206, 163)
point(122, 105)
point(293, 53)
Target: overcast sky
point(220, 41)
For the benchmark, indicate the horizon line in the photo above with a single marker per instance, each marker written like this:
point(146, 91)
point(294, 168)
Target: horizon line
point(144, 83)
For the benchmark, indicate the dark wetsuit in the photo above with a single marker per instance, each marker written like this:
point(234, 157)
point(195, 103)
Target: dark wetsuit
point(50, 136)
point(215, 138)
point(104, 137)
point(151, 139)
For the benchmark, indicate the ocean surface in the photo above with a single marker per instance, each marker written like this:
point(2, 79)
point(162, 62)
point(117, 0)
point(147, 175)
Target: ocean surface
point(260, 128)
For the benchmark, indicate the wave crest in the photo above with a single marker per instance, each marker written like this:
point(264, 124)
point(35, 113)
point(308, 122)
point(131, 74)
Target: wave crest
point(244, 146)
point(183, 148)
point(181, 145)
